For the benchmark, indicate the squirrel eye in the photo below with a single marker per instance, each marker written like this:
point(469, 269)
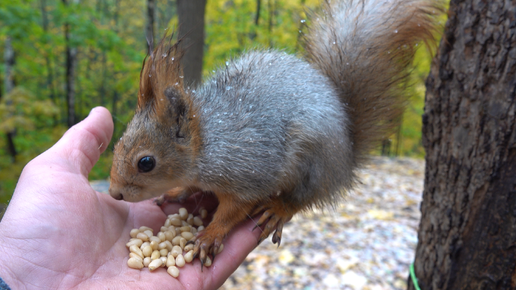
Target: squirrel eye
point(146, 164)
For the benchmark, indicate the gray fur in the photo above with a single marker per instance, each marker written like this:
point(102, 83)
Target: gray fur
point(268, 117)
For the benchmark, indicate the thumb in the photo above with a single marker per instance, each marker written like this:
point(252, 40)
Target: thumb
point(82, 144)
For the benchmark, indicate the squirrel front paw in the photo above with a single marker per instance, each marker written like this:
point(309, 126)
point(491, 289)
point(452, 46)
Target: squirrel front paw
point(207, 243)
point(176, 194)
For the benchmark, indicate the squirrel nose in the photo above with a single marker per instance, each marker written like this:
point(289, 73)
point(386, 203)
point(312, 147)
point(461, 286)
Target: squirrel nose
point(116, 195)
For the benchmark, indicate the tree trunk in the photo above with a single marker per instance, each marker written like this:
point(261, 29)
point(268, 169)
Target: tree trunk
point(191, 31)
point(467, 234)
point(9, 60)
point(71, 64)
point(151, 14)
point(48, 62)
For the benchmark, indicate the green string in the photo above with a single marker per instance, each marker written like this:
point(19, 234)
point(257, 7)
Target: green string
point(413, 276)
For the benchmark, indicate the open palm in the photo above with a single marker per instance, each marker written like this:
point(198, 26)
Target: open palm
point(60, 233)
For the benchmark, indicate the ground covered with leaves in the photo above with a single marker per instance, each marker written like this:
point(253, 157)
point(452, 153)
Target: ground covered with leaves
point(367, 242)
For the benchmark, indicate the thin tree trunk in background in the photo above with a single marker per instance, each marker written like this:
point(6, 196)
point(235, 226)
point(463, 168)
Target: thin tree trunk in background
point(258, 8)
point(48, 62)
point(9, 60)
point(151, 14)
point(191, 31)
point(467, 233)
point(71, 64)
point(114, 100)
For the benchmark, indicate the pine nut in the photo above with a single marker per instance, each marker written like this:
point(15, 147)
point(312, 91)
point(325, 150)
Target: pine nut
point(187, 235)
point(155, 264)
point(142, 236)
point(136, 242)
point(176, 250)
point(174, 216)
point(175, 240)
point(146, 261)
point(162, 246)
point(189, 220)
point(183, 213)
point(134, 263)
point(188, 247)
point(155, 239)
point(154, 245)
point(203, 212)
point(163, 261)
point(161, 236)
point(163, 252)
point(169, 235)
point(173, 271)
point(136, 250)
point(155, 255)
point(188, 256)
point(169, 245)
point(147, 251)
point(220, 248)
point(180, 261)
point(144, 245)
point(134, 232)
point(207, 263)
point(148, 233)
point(200, 228)
point(171, 261)
point(197, 221)
point(186, 229)
point(176, 222)
point(144, 228)
point(133, 255)
point(182, 243)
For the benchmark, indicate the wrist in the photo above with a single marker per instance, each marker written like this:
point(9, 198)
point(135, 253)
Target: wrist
point(7, 261)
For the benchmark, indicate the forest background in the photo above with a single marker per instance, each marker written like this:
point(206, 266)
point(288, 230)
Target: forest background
point(108, 40)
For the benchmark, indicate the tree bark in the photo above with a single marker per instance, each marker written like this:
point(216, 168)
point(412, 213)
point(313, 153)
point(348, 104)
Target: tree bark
point(191, 31)
point(467, 234)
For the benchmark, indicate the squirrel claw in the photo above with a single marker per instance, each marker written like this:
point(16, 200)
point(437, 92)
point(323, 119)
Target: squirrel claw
point(273, 223)
point(204, 246)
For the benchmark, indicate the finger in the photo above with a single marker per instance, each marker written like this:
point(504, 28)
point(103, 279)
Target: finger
point(82, 144)
point(240, 242)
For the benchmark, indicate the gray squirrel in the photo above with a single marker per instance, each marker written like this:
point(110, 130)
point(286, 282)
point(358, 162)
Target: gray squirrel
point(270, 132)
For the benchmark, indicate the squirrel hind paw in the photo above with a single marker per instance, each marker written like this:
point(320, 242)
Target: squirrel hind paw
point(273, 221)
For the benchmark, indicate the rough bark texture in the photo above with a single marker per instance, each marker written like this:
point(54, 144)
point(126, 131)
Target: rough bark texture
point(467, 235)
point(191, 31)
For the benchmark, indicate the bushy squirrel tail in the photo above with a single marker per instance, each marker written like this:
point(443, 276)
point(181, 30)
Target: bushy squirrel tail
point(366, 48)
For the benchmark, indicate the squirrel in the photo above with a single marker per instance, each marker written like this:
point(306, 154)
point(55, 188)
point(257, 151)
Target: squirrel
point(269, 132)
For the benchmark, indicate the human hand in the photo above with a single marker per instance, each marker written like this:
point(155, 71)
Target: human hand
point(58, 232)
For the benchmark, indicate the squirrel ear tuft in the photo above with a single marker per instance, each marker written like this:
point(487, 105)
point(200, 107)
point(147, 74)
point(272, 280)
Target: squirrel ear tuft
point(161, 71)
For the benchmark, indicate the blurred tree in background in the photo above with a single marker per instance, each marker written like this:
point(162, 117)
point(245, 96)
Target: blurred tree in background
point(69, 56)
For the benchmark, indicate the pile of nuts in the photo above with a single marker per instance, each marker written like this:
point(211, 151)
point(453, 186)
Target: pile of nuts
point(168, 248)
